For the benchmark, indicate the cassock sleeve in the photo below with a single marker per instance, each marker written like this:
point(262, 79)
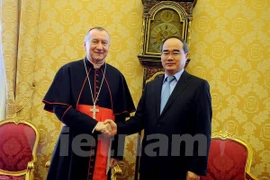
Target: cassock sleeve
point(58, 100)
point(123, 103)
point(60, 90)
point(74, 119)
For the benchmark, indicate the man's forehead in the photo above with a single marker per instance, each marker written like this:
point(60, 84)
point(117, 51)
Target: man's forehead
point(173, 44)
point(97, 34)
point(171, 47)
point(173, 41)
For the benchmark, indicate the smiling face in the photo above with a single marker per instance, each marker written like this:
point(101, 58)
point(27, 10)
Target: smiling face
point(173, 57)
point(96, 45)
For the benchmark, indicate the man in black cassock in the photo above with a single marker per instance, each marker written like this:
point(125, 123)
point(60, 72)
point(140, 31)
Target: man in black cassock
point(83, 95)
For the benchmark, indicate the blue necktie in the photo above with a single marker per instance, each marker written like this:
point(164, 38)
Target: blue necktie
point(166, 92)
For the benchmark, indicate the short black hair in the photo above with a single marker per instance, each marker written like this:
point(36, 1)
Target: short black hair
point(185, 45)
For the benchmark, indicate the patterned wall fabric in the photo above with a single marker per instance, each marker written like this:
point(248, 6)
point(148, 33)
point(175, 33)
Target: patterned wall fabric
point(19, 37)
point(230, 47)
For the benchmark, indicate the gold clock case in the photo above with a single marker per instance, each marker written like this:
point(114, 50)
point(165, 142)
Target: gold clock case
point(166, 23)
point(162, 19)
point(166, 19)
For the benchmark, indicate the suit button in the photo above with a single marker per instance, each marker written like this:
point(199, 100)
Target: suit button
point(158, 125)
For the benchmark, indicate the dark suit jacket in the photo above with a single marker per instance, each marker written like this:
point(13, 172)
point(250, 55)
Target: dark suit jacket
point(177, 140)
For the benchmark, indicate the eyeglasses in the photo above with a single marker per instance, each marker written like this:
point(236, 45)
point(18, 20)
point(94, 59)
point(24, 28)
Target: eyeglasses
point(174, 54)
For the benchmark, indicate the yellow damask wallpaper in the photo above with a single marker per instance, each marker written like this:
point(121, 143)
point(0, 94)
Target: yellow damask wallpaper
point(230, 47)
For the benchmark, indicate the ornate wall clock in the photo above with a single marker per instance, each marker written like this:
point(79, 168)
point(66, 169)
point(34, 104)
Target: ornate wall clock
point(162, 19)
point(166, 23)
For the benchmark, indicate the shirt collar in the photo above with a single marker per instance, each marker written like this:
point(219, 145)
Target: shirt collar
point(176, 75)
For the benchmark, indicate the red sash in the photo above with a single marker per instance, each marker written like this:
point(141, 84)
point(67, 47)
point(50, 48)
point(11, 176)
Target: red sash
point(103, 143)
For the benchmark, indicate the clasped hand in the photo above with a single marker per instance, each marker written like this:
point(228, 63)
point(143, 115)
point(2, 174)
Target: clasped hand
point(108, 127)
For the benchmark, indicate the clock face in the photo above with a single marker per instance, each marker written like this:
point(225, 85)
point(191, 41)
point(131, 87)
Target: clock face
point(164, 24)
point(167, 15)
point(161, 31)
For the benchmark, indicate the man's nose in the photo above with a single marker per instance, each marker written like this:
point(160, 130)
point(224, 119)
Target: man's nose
point(99, 45)
point(170, 56)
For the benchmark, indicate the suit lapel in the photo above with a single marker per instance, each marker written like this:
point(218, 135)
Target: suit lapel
point(180, 86)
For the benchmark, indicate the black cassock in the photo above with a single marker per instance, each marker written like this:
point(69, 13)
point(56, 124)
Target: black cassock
point(74, 154)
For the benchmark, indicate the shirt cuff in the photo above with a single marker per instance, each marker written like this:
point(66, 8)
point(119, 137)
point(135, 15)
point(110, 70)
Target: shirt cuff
point(94, 129)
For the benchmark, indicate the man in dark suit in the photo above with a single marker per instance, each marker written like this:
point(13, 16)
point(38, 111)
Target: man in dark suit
point(177, 138)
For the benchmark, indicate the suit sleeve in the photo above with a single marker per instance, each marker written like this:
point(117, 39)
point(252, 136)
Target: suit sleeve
point(203, 118)
point(118, 143)
point(124, 106)
point(134, 124)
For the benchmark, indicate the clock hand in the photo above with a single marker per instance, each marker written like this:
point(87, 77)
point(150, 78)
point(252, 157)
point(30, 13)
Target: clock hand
point(162, 35)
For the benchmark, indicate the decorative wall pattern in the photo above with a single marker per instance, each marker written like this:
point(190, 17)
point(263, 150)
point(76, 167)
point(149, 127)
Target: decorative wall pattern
point(230, 47)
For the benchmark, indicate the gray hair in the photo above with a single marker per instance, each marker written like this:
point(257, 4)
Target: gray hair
point(97, 28)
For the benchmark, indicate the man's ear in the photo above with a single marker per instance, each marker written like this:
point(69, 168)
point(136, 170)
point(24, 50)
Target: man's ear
point(187, 55)
point(84, 45)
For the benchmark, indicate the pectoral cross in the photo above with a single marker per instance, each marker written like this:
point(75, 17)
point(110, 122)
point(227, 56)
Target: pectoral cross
point(94, 110)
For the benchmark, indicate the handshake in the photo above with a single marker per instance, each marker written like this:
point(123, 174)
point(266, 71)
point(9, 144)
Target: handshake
point(108, 127)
